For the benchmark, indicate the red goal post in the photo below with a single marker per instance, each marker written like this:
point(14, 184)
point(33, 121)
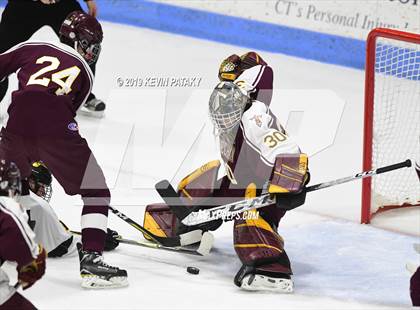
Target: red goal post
point(402, 63)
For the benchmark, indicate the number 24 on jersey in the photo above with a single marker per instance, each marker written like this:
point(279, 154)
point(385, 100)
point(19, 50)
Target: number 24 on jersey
point(64, 78)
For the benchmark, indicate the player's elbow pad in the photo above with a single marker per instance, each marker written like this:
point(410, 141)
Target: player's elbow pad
point(290, 174)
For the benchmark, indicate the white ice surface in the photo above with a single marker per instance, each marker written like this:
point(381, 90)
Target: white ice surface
point(337, 262)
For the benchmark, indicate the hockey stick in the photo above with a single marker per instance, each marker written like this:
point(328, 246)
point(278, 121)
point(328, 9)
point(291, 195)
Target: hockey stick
point(17, 286)
point(229, 211)
point(203, 249)
point(183, 239)
point(171, 198)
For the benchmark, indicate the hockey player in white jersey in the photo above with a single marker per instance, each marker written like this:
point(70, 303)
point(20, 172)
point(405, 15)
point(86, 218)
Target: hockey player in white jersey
point(52, 233)
point(258, 156)
point(17, 242)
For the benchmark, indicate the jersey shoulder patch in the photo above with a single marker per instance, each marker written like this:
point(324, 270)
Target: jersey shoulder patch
point(256, 115)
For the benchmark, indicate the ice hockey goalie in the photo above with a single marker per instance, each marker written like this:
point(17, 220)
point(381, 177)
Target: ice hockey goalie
point(258, 156)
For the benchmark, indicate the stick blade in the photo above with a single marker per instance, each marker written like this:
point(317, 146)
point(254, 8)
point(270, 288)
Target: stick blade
point(206, 244)
point(191, 237)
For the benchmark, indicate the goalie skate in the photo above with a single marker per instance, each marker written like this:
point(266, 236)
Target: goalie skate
point(257, 282)
point(96, 274)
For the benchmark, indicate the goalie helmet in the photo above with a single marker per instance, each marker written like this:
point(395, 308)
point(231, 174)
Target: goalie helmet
point(40, 181)
point(84, 33)
point(10, 181)
point(226, 106)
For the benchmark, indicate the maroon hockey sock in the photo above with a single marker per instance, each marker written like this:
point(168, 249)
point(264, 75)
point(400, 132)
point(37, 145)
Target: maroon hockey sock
point(93, 239)
point(94, 223)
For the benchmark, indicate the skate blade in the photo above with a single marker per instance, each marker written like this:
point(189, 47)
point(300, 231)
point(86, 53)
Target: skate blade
point(95, 282)
point(264, 283)
point(86, 112)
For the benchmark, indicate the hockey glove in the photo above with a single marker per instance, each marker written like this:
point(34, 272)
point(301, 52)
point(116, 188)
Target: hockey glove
point(288, 180)
point(230, 68)
point(290, 173)
point(196, 190)
point(251, 59)
point(32, 272)
point(111, 241)
point(289, 202)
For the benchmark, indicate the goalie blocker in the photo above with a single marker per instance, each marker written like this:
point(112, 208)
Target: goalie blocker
point(289, 177)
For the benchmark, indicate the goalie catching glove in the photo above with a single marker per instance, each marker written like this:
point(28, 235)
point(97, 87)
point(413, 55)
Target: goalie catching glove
point(288, 179)
point(234, 66)
point(195, 190)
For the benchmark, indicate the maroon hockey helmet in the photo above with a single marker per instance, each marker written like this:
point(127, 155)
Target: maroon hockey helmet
point(10, 181)
point(84, 33)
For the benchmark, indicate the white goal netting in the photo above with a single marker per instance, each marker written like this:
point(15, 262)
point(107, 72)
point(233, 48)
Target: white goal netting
point(396, 121)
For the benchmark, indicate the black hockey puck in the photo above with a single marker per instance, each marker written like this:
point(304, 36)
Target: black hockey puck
point(193, 270)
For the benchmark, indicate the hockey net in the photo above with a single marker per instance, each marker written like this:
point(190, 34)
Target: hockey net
point(392, 120)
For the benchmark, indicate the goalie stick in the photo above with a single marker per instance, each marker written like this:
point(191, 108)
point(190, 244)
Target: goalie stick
point(171, 198)
point(229, 211)
point(183, 239)
point(202, 250)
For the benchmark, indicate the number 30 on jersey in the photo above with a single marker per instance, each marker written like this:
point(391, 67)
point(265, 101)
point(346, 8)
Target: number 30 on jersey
point(274, 138)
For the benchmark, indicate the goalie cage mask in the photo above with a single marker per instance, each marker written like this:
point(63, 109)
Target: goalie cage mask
point(226, 106)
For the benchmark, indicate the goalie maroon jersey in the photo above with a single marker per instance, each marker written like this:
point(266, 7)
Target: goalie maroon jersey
point(54, 81)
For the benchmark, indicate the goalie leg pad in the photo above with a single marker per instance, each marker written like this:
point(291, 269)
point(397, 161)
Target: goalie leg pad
point(199, 185)
point(159, 220)
point(196, 192)
point(258, 245)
